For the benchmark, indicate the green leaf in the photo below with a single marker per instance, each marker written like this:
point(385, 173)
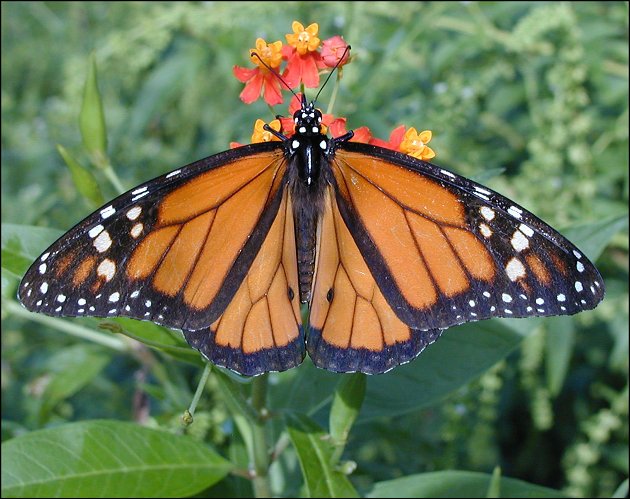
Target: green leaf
point(346, 405)
point(622, 490)
point(559, 342)
point(460, 356)
point(21, 244)
point(592, 238)
point(107, 459)
point(457, 484)
point(315, 452)
point(91, 117)
point(83, 179)
point(494, 489)
point(71, 369)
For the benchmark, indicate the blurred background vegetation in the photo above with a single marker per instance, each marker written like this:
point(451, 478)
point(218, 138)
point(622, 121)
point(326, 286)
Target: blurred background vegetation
point(531, 96)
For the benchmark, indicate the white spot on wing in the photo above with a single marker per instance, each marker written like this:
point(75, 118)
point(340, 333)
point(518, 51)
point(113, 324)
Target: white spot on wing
point(107, 212)
point(578, 286)
point(42, 268)
point(114, 297)
point(173, 173)
point(526, 229)
point(134, 212)
point(561, 297)
point(515, 269)
point(485, 230)
point(136, 230)
point(106, 269)
point(103, 242)
point(519, 241)
point(95, 231)
point(487, 213)
point(44, 288)
point(135, 198)
point(580, 267)
point(447, 173)
point(506, 298)
point(515, 212)
point(482, 196)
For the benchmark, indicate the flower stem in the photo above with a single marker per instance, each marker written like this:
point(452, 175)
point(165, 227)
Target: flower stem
point(333, 97)
point(200, 387)
point(260, 449)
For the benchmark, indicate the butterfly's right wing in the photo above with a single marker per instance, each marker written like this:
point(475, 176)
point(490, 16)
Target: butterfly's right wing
point(351, 325)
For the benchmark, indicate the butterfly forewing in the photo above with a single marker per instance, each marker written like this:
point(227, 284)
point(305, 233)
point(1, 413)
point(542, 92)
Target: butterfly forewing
point(445, 250)
point(163, 251)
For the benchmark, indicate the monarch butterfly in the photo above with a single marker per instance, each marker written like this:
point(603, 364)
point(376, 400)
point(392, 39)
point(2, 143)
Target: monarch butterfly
point(385, 249)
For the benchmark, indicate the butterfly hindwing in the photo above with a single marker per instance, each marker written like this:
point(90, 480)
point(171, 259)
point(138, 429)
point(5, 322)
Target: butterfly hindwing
point(173, 250)
point(445, 250)
point(351, 326)
point(261, 328)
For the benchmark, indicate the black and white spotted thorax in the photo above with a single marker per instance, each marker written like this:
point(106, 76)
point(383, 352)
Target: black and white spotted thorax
point(309, 146)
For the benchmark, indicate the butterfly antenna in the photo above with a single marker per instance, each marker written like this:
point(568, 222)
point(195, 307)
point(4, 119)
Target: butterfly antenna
point(277, 75)
point(333, 70)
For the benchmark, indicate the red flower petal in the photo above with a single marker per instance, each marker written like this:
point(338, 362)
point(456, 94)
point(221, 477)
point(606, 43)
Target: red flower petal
point(252, 89)
point(244, 74)
point(272, 91)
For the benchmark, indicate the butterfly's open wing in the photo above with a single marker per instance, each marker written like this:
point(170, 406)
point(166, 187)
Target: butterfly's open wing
point(261, 328)
point(174, 250)
point(352, 327)
point(445, 250)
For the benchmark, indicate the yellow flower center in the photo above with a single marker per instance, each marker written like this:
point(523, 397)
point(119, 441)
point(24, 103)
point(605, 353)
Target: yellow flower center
point(262, 135)
point(415, 144)
point(304, 39)
point(270, 54)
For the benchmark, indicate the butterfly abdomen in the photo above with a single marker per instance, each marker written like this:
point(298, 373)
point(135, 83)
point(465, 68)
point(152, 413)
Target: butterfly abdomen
point(307, 210)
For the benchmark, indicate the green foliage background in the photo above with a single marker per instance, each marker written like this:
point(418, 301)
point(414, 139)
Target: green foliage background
point(531, 98)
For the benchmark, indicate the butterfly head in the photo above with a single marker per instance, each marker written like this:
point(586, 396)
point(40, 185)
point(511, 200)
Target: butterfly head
point(308, 120)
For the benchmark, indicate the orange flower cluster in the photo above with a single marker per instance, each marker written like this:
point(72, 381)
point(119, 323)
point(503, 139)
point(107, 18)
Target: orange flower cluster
point(303, 64)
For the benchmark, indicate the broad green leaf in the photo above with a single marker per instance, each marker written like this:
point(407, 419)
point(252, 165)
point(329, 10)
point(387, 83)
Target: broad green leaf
point(92, 117)
point(315, 452)
point(457, 484)
point(559, 342)
point(346, 405)
point(592, 238)
point(70, 370)
point(83, 179)
point(461, 355)
point(107, 459)
point(622, 490)
point(23, 243)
